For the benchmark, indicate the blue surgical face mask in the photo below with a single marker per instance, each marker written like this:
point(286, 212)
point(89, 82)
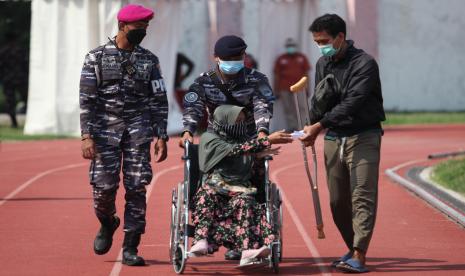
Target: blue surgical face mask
point(231, 67)
point(291, 50)
point(328, 50)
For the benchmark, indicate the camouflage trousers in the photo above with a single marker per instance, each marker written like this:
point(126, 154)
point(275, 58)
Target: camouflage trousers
point(104, 176)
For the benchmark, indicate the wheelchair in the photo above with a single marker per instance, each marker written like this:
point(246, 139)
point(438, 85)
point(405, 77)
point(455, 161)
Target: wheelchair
point(181, 204)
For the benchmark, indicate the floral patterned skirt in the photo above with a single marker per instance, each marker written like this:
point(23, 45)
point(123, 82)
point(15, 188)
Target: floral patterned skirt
point(235, 221)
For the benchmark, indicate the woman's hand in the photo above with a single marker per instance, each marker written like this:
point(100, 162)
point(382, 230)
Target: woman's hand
point(280, 137)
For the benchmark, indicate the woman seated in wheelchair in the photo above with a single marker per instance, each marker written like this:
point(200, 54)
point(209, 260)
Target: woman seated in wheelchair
point(226, 211)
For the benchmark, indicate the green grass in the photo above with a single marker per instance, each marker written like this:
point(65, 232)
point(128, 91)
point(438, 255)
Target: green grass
point(16, 134)
point(451, 174)
point(412, 118)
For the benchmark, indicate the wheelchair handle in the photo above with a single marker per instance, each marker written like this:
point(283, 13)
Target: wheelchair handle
point(186, 150)
point(268, 157)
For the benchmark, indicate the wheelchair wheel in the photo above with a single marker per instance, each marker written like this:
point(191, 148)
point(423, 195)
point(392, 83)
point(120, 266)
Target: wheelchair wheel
point(275, 257)
point(179, 262)
point(277, 211)
point(172, 224)
point(176, 210)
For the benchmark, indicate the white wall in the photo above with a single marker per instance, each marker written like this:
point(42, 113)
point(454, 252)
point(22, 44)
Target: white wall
point(60, 37)
point(421, 54)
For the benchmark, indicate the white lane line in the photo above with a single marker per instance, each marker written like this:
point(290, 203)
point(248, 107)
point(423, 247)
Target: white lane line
point(430, 197)
point(408, 163)
point(298, 223)
point(37, 177)
point(118, 264)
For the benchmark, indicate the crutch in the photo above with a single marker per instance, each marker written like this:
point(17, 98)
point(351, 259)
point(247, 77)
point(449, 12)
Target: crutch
point(301, 85)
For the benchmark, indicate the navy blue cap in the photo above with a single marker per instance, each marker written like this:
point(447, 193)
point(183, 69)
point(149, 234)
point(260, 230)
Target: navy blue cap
point(229, 46)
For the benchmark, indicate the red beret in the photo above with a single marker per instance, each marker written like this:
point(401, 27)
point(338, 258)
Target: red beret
point(133, 13)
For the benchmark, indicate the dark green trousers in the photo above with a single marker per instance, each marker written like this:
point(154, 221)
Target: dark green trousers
point(352, 175)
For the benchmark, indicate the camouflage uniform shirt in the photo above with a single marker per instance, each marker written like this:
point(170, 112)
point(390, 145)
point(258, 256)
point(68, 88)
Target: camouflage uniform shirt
point(250, 90)
point(113, 101)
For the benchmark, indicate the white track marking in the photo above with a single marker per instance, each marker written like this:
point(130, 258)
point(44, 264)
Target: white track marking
point(119, 264)
point(300, 227)
point(407, 164)
point(428, 196)
point(37, 177)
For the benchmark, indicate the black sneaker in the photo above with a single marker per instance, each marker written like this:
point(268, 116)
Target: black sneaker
point(104, 238)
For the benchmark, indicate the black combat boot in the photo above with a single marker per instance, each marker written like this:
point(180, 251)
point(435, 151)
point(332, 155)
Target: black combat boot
point(104, 238)
point(131, 241)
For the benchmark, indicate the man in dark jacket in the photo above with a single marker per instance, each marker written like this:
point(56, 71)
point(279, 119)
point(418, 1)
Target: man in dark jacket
point(353, 138)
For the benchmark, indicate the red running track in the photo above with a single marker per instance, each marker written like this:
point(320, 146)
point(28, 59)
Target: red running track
point(47, 221)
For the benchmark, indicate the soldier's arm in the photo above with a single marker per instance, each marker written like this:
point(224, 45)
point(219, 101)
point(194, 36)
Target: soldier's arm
point(158, 102)
point(88, 94)
point(263, 105)
point(194, 106)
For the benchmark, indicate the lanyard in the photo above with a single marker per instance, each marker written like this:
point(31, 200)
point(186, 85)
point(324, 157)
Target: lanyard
point(127, 65)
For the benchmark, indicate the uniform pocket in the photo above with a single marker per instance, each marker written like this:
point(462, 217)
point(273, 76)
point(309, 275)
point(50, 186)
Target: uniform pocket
point(143, 70)
point(111, 70)
point(142, 77)
point(111, 75)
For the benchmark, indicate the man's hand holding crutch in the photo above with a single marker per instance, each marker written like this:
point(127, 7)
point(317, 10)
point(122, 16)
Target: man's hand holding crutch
point(311, 133)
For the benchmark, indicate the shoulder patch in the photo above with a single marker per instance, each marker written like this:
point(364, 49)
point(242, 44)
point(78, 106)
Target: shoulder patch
point(191, 97)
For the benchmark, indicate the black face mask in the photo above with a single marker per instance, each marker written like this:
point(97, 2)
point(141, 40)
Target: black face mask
point(135, 36)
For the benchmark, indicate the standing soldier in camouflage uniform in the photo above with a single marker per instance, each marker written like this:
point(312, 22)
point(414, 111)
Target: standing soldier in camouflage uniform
point(230, 83)
point(123, 107)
